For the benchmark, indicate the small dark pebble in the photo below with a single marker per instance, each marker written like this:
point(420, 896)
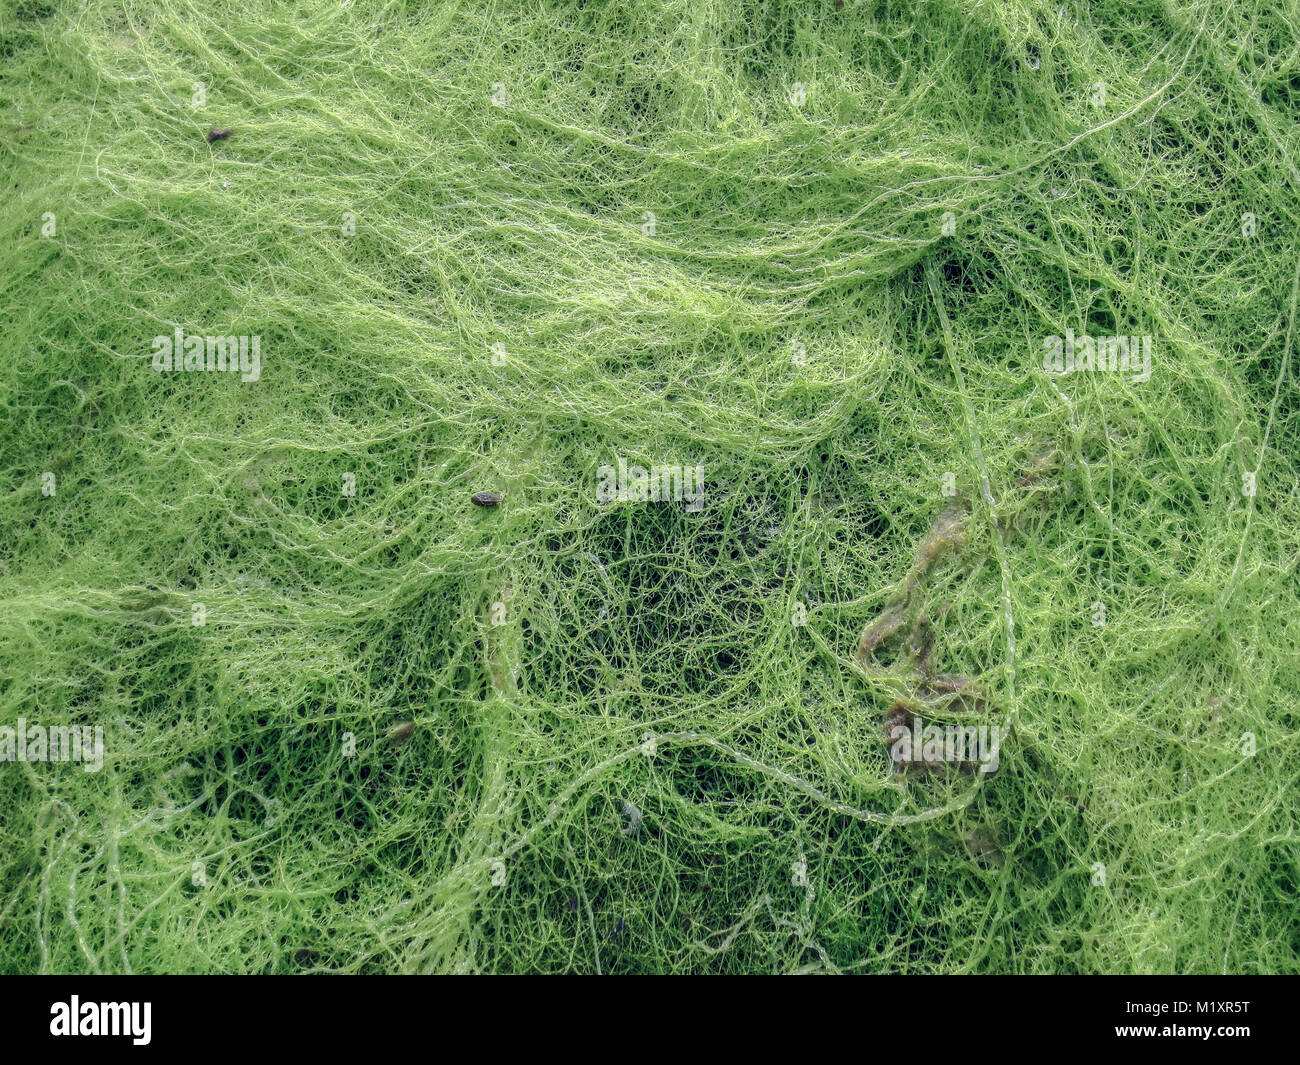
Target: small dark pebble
point(400, 733)
point(485, 499)
point(218, 134)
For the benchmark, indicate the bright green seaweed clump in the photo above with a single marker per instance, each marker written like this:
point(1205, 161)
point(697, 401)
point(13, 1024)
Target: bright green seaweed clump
point(839, 368)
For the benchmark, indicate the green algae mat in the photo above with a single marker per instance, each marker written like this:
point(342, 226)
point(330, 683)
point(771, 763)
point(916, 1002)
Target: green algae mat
point(666, 486)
